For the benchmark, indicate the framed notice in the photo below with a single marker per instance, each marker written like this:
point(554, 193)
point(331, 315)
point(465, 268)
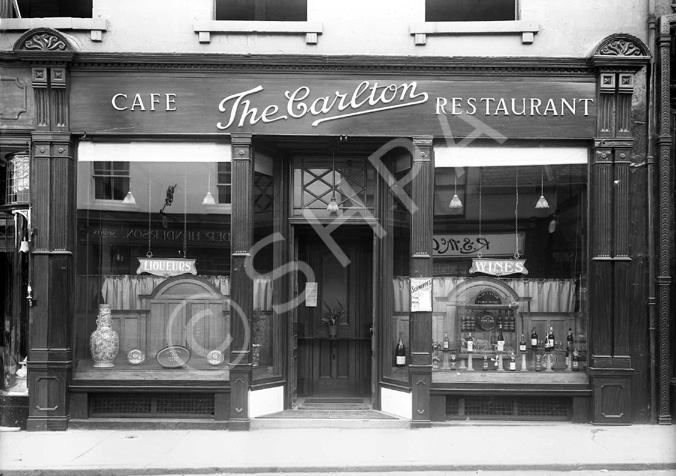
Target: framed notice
point(311, 294)
point(421, 294)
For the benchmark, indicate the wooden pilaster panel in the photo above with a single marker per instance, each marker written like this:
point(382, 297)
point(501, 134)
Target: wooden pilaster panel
point(42, 109)
point(625, 89)
point(49, 357)
point(241, 282)
point(602, 200)
point(624, 342)
point(420, 369)
point(621, 204)
point(601, 307)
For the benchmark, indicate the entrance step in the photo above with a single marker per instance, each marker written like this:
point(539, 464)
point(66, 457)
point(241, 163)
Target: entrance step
point(329, 412)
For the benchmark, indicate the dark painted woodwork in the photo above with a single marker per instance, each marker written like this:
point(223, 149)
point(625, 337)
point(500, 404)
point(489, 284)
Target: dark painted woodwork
point(666, 221)
point(420, 324)
point(621, 206)
point(241, 281)
point(612, 396)
point(601, 184)
point(199, 95)
point(49, 357)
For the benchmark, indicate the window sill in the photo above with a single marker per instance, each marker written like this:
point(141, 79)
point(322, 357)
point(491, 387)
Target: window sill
point(96, 25)
point(311, 30)
point(111, 205)
point(527, 29)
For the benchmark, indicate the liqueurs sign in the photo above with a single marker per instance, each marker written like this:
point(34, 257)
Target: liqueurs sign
point(366, 98)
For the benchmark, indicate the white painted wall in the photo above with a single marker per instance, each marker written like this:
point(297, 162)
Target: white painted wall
point(396, 402)
point(266, 401)
point(569, 28)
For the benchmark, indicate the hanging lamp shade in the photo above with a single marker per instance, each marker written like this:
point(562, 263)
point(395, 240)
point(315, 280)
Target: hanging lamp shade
point(209, 199)
point(542, 201)
point(455, 201)
point(129, 199)
point(333, 206)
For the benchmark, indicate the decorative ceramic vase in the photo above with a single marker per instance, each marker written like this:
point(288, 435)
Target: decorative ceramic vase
point(104, 342)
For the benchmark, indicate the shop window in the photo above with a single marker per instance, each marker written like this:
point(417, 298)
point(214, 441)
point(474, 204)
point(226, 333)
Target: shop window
point(54, 8)
point(261, 10)
point(470, 10)
point(224, 182)
point(510, 263)
point(111, 180)
point(161, 267)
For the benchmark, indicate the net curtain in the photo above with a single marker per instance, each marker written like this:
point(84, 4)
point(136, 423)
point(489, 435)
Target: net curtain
point(547, 295)
point(122, 292)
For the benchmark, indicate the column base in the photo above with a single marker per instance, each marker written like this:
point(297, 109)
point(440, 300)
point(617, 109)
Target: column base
point(47, 424)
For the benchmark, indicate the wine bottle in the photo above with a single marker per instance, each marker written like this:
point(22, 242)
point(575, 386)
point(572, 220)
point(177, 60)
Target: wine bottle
point(534, 340)
point(470, 343)
point(538, 363)
point(485, 362)
point(512, 362)
point(400, 352)
point(522, 345)
point(447, 343)
point(512, 321)
point(501, 339)
point(576, 361)
point(569, 340)
point(549, 346)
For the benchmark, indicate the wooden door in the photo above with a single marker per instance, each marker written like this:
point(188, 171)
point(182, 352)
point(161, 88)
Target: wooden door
point(340, 365)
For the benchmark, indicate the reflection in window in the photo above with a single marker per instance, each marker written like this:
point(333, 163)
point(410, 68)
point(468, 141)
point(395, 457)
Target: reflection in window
point(470, 10)
point(111, 180)
point(224, 182)
point(261, 10)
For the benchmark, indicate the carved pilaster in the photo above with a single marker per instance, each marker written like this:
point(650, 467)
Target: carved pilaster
point(602, 199)
point(49, 356)
point(241, 283)
point(621, 204)
point(420, 323)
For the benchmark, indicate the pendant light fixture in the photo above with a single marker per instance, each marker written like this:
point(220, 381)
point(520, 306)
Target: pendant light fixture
point(542, 202)
point(333, 205)
point(129, 198)
point(455, 201)
point(209, 198)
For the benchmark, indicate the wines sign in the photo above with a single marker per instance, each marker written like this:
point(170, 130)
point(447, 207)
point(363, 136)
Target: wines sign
point(499, 267)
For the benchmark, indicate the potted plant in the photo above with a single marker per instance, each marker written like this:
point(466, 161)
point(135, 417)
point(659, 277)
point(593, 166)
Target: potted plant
point(332, 316)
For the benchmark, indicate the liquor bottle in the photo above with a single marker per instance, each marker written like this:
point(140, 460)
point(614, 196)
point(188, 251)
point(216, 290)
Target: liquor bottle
point(501, 339)
point(569, 341)
point(447, 343)
point(538, 363)
point(453, 363)
point(512, 362)
point(534, 340)
point(500, 319)
point(512, 321)
point(576, 361)
point(485, 362)
point(522, 345)
point(470, 343)
point(549, 346)
point(400, 352)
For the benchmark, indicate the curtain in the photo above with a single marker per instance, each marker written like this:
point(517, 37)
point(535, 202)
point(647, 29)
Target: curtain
point(122, 292)
point(547, 295)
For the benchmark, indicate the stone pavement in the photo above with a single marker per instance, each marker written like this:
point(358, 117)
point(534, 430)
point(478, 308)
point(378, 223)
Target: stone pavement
point(460, 447)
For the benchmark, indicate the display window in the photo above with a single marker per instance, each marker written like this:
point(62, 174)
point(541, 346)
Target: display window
point(509, 263)
point(153, 262)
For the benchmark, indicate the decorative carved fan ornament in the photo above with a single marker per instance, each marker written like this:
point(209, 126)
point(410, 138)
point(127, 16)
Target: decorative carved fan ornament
point(621, 48)
point(44, 44)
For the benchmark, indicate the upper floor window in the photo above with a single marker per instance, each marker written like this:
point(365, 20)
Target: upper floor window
point(470, 10)
point(53, 8)
point(261, 10)
point(111, 180)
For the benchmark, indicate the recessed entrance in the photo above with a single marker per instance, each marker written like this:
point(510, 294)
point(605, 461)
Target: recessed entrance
point(340, 364)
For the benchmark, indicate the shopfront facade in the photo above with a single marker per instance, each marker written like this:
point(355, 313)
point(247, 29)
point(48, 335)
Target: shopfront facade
point(216, 238)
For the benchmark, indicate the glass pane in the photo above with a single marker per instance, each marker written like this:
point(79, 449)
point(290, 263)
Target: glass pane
point(470, 10)
point(162, 265)
point(510, 261)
